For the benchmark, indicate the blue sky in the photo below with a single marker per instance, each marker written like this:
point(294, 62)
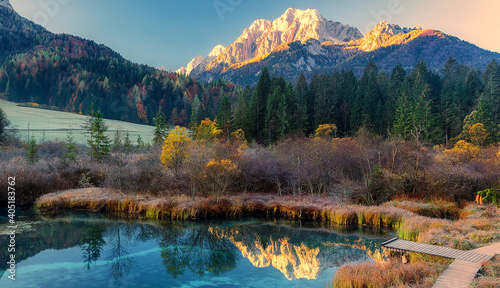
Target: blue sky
point(170, 33)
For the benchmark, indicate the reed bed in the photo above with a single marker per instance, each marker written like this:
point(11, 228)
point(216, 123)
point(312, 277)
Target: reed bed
point(185, 207)
point(389, 274)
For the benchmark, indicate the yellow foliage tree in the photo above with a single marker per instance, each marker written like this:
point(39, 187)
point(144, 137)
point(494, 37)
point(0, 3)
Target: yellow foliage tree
point(326, 130)
point(238, 137)
point(207, 130)
point(476, 134)
point(174, 152)
point(463, 151)
point(218, 176)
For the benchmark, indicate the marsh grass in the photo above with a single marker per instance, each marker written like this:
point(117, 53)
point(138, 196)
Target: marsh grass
point(489, 275)
point(390, 274)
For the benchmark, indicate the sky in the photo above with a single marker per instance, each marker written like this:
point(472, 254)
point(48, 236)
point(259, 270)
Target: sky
point(170, 33)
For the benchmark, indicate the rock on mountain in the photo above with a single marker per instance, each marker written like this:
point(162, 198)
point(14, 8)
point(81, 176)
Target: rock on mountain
point(264, 36)
point(382, 35)
point(303, 41)
point(191, 65)
point(199, 61)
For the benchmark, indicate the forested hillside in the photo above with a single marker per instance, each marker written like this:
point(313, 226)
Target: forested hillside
point(71, 74)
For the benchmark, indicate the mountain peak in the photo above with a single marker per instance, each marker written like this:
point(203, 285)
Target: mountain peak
point(263, 36)
point(6, 3)
point(381, 34)
point(216, 51)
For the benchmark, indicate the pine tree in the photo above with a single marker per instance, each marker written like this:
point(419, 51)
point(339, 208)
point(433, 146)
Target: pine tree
point(4, 123)
point(300, 115)
point(127, 144)
point(258, 105)
point(117, 141)
point(195, 112)
point(70, 145)
point(224, 116)
point(348, 87)
point(32, 156)
point(403, 117)
point(98, 141)
point(240, 116)
point(160, 131)
point(140, 143)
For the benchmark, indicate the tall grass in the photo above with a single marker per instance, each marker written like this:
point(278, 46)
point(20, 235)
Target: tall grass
point(381, 275)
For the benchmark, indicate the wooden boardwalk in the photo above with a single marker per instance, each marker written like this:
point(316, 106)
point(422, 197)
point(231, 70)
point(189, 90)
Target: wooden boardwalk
point(461, 272)
point(403, 246)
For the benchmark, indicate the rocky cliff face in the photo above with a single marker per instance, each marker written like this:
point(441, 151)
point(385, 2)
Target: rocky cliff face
point(264, 36)
point(383, 35)
point(303, 41)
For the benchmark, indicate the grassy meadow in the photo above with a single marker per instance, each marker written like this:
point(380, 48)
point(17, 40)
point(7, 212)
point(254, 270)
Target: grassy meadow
point(50, 125)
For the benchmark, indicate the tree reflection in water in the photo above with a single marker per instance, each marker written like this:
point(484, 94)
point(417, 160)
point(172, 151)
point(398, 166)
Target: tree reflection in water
point(92, 243)
point(120, 238)
point(197, 249)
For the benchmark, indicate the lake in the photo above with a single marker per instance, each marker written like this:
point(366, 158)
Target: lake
point(96, 250)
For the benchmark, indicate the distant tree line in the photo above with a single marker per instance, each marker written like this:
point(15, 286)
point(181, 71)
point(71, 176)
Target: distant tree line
point(420, 104)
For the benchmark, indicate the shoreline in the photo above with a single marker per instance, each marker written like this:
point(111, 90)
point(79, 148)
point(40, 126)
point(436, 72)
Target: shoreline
point(473, 226)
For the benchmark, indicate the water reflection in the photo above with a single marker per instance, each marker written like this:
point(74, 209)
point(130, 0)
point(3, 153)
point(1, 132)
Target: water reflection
point(197, 249)
point(125, 250)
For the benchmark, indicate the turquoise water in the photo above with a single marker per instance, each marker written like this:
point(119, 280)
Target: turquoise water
point(88, 250)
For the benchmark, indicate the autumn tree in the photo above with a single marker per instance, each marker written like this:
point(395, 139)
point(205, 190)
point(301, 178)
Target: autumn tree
point(476, 134)
point(174, 152)
point(207, 130)
point(326, 130)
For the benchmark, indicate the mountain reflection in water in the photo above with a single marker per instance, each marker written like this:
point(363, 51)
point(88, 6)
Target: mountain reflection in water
point(118, 249)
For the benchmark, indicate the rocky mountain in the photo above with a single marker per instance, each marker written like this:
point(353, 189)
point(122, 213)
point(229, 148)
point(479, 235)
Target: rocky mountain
point(200, 62)
point(304, 41)
point(264, 36)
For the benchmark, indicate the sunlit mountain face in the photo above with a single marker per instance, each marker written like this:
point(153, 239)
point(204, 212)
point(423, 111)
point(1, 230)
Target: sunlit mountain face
point(304, 41)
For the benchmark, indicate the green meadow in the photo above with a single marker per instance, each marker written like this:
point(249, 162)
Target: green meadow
point(52, 125)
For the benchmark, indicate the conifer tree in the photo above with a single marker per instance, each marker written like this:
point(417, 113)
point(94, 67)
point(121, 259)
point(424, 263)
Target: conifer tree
point(98, 141)
point(300, 115)
point(117, 141)
point(69, 143)
point(127, 144)
point(3, 126)
point(160, 131)
point(258, 105)
point(32, 156)
point(224, 116)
